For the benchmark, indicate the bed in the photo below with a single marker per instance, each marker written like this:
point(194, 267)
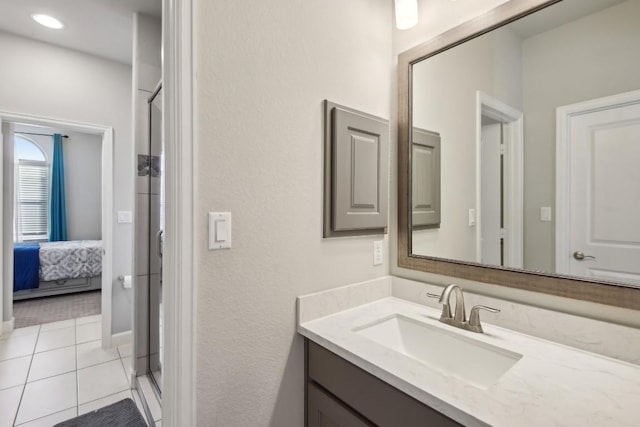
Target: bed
point(53, 268)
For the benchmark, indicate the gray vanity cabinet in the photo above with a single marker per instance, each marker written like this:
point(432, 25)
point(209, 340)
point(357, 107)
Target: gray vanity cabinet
point(325, 411)
point(339, 394)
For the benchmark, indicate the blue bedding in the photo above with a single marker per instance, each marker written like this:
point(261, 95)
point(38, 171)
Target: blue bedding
point(26, 265)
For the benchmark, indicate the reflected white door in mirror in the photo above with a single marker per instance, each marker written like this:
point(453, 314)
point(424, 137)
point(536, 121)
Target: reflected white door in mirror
point(598, 199)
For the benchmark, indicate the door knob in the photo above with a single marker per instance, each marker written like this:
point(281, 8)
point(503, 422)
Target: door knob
point(580, 256)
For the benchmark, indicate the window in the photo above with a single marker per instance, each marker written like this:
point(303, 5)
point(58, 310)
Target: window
point(31, 216)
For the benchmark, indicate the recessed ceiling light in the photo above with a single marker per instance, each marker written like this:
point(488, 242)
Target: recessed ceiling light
point(47, 21)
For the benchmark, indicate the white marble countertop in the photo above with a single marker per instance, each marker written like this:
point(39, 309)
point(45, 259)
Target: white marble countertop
point(551, 385)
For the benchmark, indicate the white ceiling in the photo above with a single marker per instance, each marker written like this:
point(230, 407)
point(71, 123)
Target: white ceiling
point(99, 27)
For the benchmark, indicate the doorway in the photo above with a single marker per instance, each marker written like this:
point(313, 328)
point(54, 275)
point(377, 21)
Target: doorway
point(499, 183)
point(32, 213)
point(597, 203)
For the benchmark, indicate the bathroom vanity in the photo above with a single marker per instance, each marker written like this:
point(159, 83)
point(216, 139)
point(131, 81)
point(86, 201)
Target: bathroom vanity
point(342, 394)
point(376, 359)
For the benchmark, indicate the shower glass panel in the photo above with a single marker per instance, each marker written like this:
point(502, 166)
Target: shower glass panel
point(156, 227)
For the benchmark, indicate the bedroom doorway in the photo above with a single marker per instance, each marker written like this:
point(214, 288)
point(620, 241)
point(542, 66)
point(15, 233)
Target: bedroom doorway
point(82, 259)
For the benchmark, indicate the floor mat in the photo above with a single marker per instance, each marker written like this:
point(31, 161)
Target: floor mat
point(52, 309)
point(120, 414)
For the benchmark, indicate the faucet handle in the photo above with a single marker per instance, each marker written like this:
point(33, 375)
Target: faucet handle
point(474, 316)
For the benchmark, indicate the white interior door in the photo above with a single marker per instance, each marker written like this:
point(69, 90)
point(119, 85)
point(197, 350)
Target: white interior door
point(491, 204)
point(604, 188)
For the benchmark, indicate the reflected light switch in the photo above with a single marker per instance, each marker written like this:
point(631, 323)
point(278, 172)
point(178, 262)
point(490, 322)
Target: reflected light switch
point(545, 213)
point(125, 217)
point(219, 230)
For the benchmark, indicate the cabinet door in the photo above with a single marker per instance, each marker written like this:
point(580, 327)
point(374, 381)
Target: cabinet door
point(324, 411)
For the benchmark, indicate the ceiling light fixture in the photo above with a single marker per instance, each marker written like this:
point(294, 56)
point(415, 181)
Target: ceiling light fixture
point(406, 14)
point(47, 21)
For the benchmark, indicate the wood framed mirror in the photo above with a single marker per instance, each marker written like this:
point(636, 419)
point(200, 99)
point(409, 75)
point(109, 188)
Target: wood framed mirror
point(621, 289)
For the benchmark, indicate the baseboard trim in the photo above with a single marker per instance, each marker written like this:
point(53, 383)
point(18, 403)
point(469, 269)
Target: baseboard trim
point(121, 338)
point(8, 325)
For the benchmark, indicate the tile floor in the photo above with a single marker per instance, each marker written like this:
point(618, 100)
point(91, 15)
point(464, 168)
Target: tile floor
point(56, 371)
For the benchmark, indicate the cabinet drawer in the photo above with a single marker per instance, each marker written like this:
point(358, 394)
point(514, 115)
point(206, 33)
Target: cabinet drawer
point(376, 400)
point(325, 411)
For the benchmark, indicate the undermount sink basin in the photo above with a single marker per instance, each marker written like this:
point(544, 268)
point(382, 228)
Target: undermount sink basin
point(449, 352)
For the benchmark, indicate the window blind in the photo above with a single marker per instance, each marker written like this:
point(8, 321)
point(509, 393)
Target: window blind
point(33, 199)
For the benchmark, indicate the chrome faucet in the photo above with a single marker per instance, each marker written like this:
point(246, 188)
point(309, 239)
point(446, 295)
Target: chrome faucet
point(459, 319)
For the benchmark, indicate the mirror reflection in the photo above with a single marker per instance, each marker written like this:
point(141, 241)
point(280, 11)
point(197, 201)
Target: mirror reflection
point(538, 130)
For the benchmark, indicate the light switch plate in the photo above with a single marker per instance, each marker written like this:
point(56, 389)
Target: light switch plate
point(125, 217)
point(378, 252)
point(472, 217)
point(219, 230)
point(545, 213)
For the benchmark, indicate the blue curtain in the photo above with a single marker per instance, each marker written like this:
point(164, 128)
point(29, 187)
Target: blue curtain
point(57, 208)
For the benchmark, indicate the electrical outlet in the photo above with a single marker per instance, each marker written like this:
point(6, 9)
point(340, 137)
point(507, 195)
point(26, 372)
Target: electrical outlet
point(378, 252)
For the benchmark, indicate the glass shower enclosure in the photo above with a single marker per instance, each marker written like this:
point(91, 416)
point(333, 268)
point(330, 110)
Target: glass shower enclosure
point(156, 242)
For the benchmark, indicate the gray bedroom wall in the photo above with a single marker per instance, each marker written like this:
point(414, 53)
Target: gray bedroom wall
point(48, 81)
point(82, 173)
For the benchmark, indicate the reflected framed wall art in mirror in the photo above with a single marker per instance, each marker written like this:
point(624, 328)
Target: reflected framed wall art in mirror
point(537, 108)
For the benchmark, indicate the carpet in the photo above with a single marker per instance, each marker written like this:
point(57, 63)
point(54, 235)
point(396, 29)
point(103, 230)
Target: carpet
point(52, 309)
point(120, 414)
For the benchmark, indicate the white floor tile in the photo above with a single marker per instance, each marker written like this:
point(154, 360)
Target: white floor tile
point(88, 332)
point(53, 419)
point(88, 319)
point(48, 396)
point(105, 401)
point(9, 401)
point(58, 325)
point(128, 368)
point(91, 353)
point(101, 380)
point(125, 350)
point(29, 330)
point(14, 372)
point(17, 346)
point(53, 362)
point(58, 338)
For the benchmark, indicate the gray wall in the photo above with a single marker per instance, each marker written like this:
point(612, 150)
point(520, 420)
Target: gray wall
point(263, 70)
point(592, 57)
point(48, 81)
